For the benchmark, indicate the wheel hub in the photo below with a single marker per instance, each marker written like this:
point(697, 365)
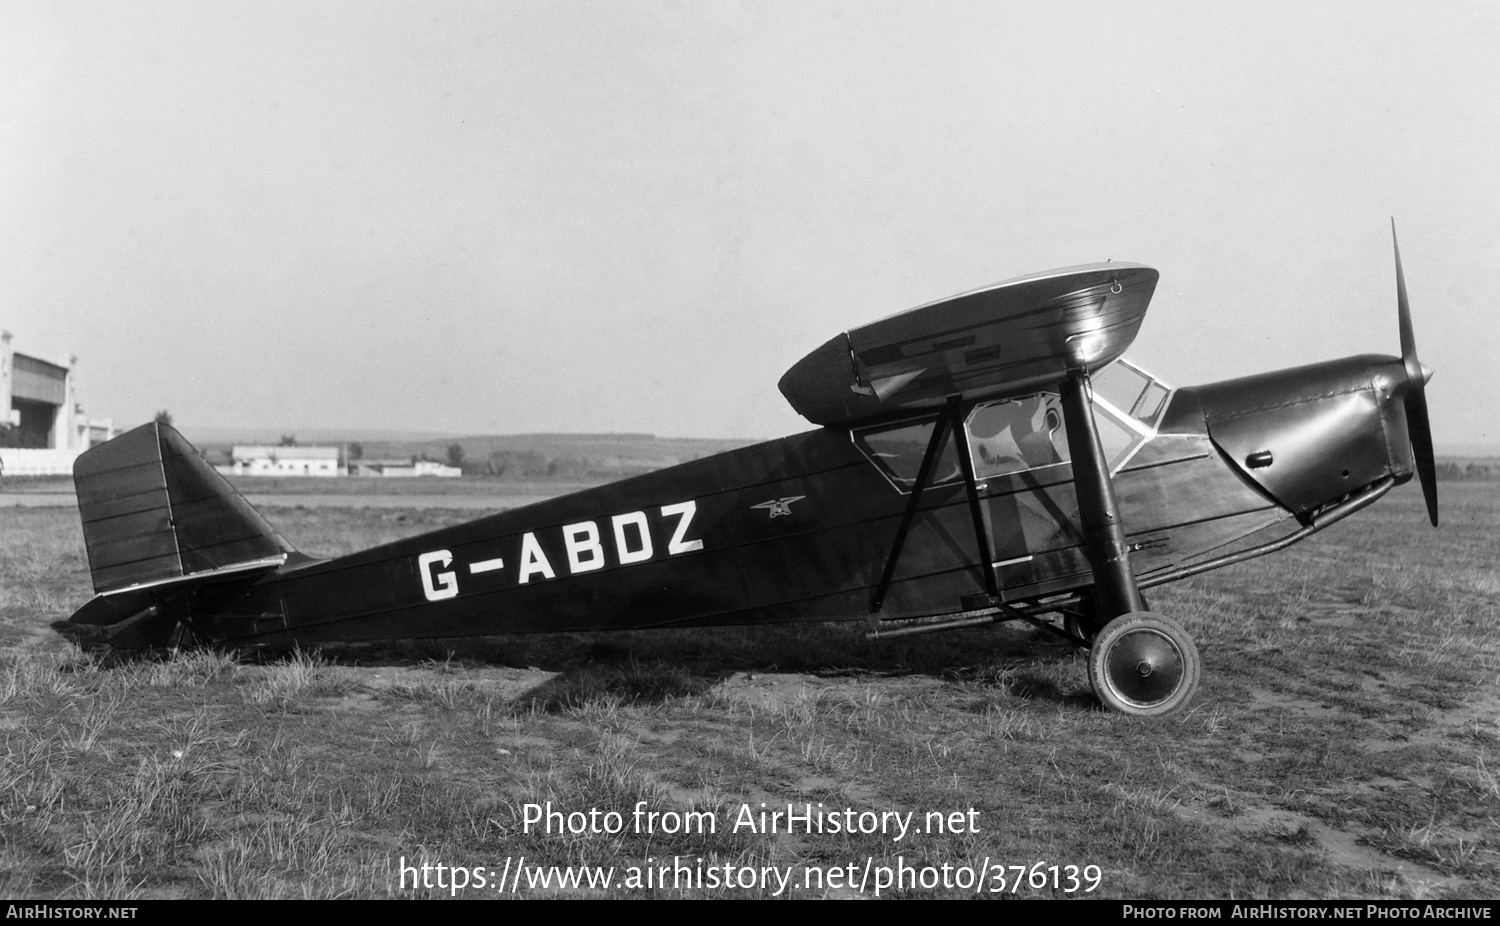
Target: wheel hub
point(1145, 666)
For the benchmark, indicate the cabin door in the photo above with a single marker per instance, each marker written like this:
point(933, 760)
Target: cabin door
point(1020, 453)
point(1019, 448)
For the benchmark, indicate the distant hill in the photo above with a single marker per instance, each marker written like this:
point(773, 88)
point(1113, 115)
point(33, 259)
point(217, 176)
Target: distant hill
point(620, 448)
point(308, 436)
point(565, 456)
point(1470, 469)
point(510, 456)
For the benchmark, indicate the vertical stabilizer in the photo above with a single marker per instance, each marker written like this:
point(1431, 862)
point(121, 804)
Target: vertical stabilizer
point(153, 510)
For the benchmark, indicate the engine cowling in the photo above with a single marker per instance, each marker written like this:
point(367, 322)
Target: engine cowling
point(1310, 435)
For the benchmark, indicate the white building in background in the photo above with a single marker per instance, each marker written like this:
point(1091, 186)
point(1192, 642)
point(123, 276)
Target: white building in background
point(39, 405)
point(284, 461)
point(399, 468)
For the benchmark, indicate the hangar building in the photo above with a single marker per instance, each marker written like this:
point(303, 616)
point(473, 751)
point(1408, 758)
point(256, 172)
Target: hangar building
point(47, 429)
point(284, 461)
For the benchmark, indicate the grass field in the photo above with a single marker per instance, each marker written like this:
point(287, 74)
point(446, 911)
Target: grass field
point(1345, 743)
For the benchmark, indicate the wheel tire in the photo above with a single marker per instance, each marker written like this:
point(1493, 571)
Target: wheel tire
point(1144, 665)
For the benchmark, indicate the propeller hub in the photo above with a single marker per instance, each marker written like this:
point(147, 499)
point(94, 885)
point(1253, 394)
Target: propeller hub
point(1426, 373)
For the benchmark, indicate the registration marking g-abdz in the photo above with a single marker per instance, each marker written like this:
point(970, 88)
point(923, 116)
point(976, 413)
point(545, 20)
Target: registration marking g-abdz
point(583, 545)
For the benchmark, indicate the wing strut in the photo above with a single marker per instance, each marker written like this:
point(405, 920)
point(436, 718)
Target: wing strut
point(1099, 515)
point(979, 512)
point(951, 421)
point(924, 475)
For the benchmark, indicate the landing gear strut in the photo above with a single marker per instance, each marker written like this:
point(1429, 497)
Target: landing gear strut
point(1140, 663)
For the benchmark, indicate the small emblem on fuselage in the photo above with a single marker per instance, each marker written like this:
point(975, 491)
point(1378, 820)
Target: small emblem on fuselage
point(780, 506)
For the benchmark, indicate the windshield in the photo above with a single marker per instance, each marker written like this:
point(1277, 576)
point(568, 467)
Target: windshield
point(1131, 391)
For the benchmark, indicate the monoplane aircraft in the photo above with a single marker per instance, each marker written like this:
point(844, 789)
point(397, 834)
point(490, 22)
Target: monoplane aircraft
point(988, 457)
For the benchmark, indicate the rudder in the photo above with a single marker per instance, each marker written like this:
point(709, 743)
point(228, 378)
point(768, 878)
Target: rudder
point(153, 511)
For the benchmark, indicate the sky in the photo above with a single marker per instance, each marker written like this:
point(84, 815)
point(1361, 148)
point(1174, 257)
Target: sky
point(509, 217)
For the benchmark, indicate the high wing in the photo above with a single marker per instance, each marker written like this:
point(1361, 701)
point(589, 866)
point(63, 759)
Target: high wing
point(1008, 338)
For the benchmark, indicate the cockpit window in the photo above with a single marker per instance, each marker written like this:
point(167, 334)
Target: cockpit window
point(897, 450)
point(1026, 433)
point(1016, 435)
point(1116, 435)
point(1132, 391)
point(1128, 402)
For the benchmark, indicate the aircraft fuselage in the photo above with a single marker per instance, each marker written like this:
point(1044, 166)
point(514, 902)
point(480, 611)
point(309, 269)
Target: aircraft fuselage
point(797, 529)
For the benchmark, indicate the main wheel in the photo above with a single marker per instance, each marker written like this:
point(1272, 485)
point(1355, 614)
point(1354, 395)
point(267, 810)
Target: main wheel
point(1144, 665)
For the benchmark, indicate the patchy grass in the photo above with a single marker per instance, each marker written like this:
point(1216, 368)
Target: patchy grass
point(1345, 743)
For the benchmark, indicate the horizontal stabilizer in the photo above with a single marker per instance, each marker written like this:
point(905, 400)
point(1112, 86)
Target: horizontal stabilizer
point(153, 511)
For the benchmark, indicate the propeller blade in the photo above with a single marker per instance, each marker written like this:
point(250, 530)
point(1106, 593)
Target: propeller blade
point(1421, 448)
point(1403, 314)
point(1417, 423)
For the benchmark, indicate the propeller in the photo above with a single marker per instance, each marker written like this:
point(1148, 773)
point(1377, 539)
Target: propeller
point(1417, 375)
